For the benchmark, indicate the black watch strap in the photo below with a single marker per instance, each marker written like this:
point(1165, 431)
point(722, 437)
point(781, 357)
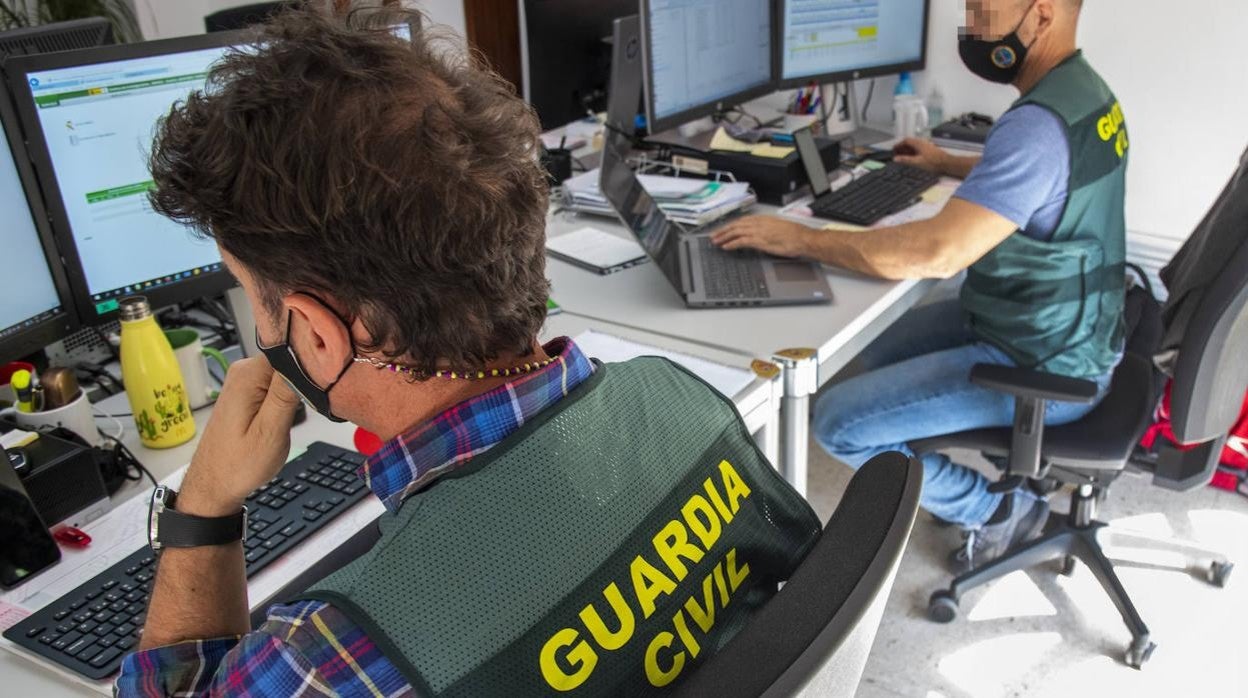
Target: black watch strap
point(178, 530)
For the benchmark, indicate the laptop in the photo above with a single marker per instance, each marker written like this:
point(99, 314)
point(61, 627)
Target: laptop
point(704, 275)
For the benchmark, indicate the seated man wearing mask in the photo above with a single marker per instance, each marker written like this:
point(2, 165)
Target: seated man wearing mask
point(1039, 226)
point(551, 523)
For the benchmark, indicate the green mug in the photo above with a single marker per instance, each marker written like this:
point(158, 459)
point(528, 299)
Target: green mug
point(190, 353)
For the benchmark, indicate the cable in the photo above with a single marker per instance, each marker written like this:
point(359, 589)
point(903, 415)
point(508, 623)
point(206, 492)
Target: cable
point(121, 428)
point(867, 104)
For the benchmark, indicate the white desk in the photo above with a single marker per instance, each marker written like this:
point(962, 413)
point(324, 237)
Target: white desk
point(809, 342)
point(27, 675)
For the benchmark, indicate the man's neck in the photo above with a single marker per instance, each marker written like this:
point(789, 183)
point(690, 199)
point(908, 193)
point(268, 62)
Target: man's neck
point(1040, 61)
point(388, 404)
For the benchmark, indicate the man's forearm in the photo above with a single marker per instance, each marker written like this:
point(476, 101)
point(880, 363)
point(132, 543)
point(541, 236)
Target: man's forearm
point(959, 166)
point(200, 593)
point(902, 252)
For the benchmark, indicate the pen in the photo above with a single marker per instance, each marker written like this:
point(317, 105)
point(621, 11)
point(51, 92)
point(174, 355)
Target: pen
point(815, 106)
point(21, 389)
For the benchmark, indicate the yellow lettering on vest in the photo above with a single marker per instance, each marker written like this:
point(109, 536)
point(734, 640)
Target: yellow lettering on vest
point(724, 512)
point(706, 529)
point(704, 616)
point(1105, 128)
point(682, 629)
point(648, 584)
point(659, 677)
point(735, 488)
point(735, 575)
point(1121, 146)
point(606, 639)
point(672, 543)
point(581, 659)
point(718, 573)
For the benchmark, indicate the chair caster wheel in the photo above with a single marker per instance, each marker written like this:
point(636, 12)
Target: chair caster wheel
point(1219, 572)
point(1139, 652)
point(942, 607)
point(1068, 565)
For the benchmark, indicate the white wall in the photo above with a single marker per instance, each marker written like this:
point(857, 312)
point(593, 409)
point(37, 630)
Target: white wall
point(1179, 73)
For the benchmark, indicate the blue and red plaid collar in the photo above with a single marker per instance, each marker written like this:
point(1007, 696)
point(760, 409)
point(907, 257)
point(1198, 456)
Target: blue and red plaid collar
point(410, 461)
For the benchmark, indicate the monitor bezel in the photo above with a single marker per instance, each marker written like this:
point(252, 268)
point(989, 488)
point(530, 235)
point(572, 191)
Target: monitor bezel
point(65, 323)
point(783, 83)
point(656, 125)
point(17, 70)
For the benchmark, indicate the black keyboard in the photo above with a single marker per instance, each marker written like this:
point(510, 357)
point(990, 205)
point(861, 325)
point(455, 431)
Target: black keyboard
point(735, 274)
point(875, 195)
point(90, 629)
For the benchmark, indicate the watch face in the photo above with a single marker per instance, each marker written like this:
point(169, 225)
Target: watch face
point(159, 495)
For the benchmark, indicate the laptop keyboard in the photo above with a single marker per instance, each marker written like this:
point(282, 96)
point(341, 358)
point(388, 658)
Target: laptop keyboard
point(90, 629)
point(732, 275)
point(875, 195)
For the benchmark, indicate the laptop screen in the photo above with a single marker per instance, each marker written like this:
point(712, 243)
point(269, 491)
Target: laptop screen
point(638, 210)
point(811, 160)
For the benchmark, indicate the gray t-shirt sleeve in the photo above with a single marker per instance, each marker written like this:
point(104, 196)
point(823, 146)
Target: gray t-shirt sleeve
point(1024, 172)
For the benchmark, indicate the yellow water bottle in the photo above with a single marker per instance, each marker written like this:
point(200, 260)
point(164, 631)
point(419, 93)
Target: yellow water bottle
point(158, 400)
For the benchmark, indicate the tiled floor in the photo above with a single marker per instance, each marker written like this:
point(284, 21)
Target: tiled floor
point(1040, 634)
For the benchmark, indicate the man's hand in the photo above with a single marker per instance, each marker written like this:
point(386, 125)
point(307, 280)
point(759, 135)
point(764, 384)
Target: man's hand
point(921, 153)
point(245, 443)
point(765, 233)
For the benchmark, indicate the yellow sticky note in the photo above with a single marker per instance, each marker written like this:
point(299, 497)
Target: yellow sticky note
point(767, 150)
point(722, 141)
point(938, 194)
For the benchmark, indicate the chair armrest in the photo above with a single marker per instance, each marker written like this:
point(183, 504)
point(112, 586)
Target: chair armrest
point(1026, 383)
point(799, 631)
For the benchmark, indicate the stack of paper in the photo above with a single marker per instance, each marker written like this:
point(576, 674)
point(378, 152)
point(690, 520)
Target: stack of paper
point(684, 199)
point(728, 380)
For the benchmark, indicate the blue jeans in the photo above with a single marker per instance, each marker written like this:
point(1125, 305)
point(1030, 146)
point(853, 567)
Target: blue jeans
point(916, 386)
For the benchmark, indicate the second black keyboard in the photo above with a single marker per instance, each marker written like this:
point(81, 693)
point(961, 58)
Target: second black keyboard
point(90, 629)
point(875, 195)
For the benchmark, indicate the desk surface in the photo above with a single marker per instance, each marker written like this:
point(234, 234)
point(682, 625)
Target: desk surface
point(640, 297)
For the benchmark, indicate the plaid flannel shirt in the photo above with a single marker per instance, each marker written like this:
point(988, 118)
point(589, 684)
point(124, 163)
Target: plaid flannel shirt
point(310, 648)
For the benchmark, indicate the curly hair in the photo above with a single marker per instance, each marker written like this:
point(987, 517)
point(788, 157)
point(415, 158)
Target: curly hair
point(399, 178)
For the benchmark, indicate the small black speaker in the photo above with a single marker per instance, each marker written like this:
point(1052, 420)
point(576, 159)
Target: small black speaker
point(62, 479)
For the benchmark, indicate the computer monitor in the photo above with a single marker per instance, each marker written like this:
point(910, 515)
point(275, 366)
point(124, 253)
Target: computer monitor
point(704, 56)
point(837, 40)
point(89, 118)
point(58, 36)
point(35, 309)
point(565, 55)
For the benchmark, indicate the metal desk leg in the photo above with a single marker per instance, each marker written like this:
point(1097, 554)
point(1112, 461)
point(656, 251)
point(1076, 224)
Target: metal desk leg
point(801, 380)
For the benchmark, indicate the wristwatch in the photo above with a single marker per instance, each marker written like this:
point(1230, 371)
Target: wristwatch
point(167, 528)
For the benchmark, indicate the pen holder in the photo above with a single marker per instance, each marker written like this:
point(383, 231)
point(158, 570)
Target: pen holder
point(75, 416)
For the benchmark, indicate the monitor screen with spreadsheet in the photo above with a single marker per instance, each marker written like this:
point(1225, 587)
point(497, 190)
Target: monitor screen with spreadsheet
point(702, 56)
point(836, 40)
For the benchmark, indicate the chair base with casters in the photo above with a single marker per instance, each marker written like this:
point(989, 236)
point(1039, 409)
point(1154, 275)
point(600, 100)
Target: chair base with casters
point(1079, 536)
point(1088, 454)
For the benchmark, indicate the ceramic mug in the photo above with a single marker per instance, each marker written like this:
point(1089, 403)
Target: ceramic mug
point(190, 353)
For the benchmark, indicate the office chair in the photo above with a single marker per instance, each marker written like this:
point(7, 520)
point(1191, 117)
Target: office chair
point(813, 637)
point(242, 16)
point(1210, 333)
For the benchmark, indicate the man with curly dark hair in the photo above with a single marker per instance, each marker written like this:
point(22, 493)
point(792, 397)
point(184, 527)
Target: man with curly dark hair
point(552, 523)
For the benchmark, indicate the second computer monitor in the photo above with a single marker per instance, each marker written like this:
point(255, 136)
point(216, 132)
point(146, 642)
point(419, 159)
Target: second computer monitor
point(836, 40)
point(703, 56)
point(90, 117)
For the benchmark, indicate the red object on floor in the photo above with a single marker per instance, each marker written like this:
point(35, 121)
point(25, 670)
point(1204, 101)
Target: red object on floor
point(1234, 453)
point(366, 442)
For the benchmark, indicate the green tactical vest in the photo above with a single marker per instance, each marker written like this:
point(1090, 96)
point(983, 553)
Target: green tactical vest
point(606, 548)
point(1057, 306)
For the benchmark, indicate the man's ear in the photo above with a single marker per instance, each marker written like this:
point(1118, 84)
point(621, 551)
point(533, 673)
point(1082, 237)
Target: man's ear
point(1044, 18)
point(320, 338)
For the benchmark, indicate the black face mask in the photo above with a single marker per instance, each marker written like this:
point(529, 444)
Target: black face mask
point(995, 61)
point(283, 359)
